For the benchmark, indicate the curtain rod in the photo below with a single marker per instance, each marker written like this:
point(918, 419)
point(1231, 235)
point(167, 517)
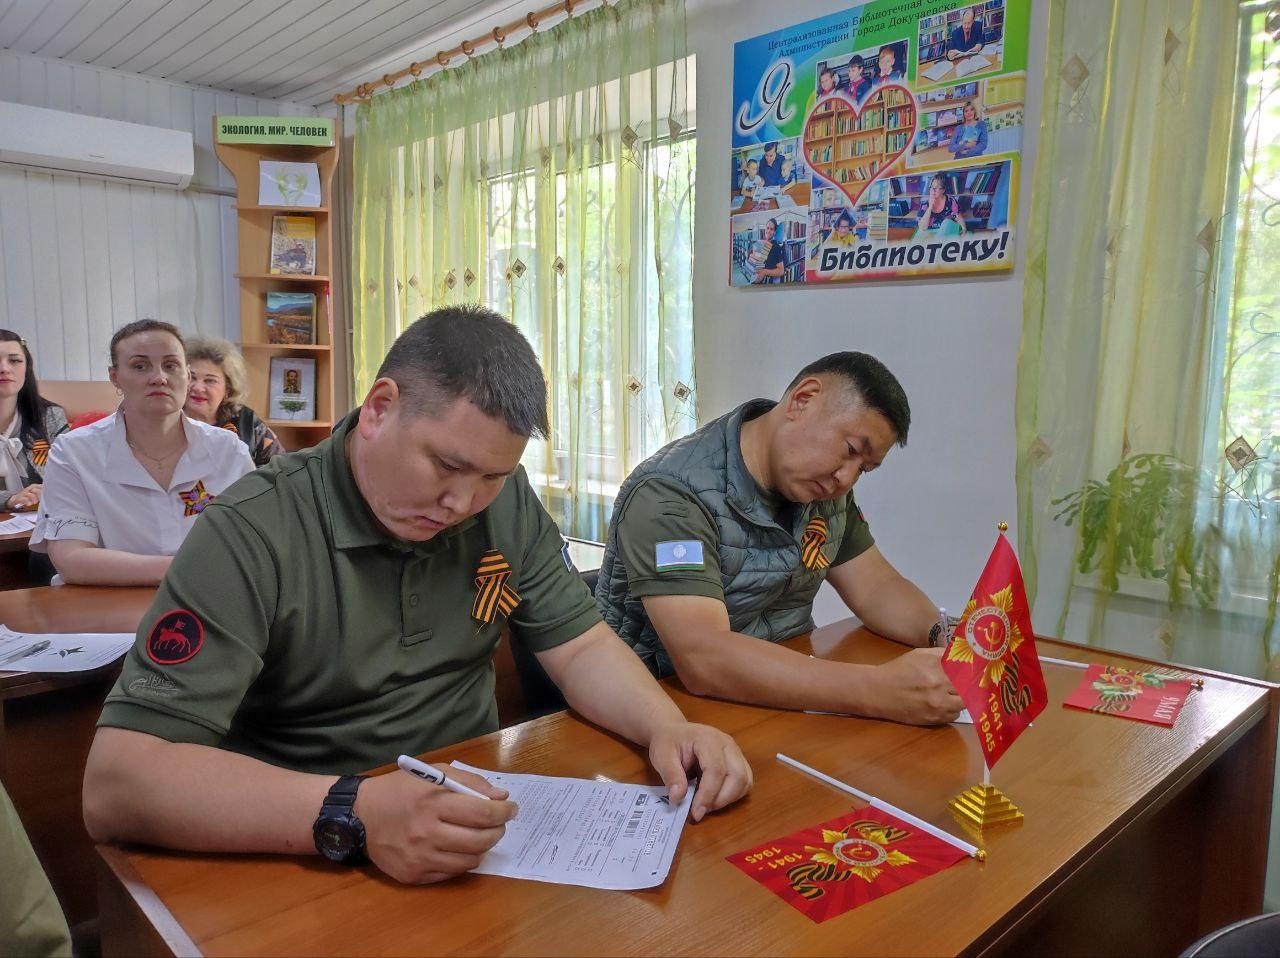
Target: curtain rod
point(466, 48)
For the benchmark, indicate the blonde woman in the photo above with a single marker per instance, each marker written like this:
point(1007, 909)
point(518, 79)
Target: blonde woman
point(218, 386)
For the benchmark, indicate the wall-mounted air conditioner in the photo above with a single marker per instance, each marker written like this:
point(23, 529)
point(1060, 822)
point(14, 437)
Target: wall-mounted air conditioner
point(93, 146)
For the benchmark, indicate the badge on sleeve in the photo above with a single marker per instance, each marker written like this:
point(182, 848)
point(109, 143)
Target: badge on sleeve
point(176, 637)
point(678, 556)
point(40, 452)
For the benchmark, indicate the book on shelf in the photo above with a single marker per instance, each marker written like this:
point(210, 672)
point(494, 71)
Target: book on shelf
point(291, 318)
point(292, 389)
point(293, 245)
point(288, 184)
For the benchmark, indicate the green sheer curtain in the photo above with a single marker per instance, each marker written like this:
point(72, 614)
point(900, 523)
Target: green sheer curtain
point(553, 181)
point(1145, 350)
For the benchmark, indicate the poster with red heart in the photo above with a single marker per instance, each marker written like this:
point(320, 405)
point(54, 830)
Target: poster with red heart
point(880, 141)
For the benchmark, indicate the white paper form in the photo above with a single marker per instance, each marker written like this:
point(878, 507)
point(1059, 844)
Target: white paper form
point(18, 522)
point(574, 831)
point(60, 651)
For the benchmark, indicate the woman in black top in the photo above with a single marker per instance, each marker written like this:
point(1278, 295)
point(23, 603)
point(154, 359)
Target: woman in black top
point(218, 384)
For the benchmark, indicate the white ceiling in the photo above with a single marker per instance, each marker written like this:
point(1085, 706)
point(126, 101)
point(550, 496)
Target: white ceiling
point(299, 50)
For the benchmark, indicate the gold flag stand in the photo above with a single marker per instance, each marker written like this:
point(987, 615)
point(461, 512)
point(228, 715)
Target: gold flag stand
point(984, 806)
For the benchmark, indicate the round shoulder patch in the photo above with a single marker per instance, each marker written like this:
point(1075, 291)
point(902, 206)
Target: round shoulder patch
point(175, 638)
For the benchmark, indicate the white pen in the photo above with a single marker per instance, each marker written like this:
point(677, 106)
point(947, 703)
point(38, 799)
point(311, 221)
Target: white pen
point(429, 773)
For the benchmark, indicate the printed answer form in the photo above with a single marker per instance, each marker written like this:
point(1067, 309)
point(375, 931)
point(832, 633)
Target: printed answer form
point(575, 831)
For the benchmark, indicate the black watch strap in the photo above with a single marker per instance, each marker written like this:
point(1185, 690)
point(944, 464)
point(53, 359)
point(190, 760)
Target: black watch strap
point(935, 635)
point(342, 794)
point(337, 812)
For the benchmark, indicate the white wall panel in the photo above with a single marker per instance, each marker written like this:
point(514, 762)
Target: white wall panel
point(80, 257)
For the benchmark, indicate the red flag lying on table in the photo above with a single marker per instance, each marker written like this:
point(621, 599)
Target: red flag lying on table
point(991, 659)
point(830, 868)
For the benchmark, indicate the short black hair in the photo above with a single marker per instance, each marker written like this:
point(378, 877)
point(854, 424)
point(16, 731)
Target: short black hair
point(857, 61)
point(871, 380)
point(145, 326)
point(844, 217)
point(771, 145)
point(469, 352)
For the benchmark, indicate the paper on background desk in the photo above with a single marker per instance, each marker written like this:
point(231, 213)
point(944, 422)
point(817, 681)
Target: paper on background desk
point(575, 831)
point(19, 522)
point(60, 651)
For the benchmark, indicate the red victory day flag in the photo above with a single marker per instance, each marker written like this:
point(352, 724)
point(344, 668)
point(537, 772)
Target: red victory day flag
point(831, 868)
point(1153, 695)
point(991, 659)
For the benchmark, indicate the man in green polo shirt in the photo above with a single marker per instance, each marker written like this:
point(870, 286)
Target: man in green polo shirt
point(723, 537)
point(341, 606)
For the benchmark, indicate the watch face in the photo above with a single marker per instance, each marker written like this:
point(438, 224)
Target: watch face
point(335, 841)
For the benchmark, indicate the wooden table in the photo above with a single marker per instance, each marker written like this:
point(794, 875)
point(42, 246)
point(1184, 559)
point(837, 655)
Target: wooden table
point(46, 728)
point(13, 557)
point(1136, 840)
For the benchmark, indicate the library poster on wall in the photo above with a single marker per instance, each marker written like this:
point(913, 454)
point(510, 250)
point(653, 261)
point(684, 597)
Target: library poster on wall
point(880, 141)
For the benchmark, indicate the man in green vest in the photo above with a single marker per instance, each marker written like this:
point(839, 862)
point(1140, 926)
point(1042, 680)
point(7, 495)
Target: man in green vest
point(341, 606)
point(723, 537)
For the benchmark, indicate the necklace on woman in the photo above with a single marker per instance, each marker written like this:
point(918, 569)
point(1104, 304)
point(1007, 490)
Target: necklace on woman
point(159, 461)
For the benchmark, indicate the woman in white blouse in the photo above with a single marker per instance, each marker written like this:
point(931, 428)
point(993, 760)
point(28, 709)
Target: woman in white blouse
point(121, 494)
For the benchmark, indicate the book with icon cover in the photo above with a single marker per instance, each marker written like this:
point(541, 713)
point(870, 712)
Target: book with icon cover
point(291, 318)
point(293, 245)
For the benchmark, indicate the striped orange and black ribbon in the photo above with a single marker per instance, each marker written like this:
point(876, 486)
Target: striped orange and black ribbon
point(815, 535)
point(40, 452)
point(493, 594)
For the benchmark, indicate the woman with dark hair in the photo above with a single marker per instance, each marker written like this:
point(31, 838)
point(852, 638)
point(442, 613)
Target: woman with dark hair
point(219, 382)
point(28, 424)
point(121, 495)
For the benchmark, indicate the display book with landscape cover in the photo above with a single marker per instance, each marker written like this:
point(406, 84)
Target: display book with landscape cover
point(293, 245)
point(291, 318)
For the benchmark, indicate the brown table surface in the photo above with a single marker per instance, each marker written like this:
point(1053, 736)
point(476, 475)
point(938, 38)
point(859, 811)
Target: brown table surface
point(1135, 838)
point(67, 609)
point(46, 728)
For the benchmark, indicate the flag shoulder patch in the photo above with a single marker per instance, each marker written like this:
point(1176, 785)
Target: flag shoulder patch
point(678, 555)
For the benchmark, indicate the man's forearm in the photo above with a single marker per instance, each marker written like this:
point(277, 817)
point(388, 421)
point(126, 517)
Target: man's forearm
point(742, 668)
point(139, 788)
point(900, 611)
point(606, 683)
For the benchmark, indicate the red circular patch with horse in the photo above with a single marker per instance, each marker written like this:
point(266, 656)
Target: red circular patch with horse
point(176, 638)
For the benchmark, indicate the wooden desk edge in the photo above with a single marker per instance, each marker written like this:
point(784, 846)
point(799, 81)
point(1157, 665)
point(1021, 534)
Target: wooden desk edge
point(1266, 710)
point(131, 893)
point(121, 890)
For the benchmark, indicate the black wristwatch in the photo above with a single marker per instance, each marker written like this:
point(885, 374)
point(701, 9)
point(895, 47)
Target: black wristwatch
point(338, 834)
point(935, 635)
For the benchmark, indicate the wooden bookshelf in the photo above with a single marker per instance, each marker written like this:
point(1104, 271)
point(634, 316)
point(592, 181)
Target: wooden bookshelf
point(849, 148)
point(253, 222)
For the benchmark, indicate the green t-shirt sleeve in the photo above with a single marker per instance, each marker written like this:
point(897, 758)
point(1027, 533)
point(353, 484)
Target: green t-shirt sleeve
point(201, 644)
point(667, 542)
point(857, 535)
point(555, 603)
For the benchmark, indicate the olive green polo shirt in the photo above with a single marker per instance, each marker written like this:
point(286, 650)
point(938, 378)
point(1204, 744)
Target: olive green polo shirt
point(293, 629)
point(31, 923)
point(661, 510)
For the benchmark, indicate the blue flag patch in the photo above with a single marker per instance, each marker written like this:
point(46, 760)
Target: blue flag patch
point(677, 556)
